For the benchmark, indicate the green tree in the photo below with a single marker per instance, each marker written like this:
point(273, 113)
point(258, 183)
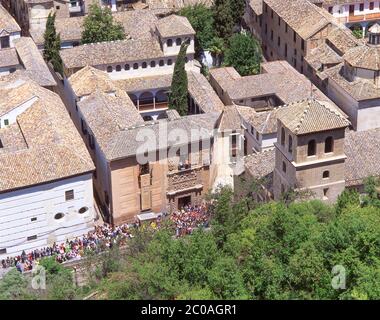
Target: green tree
point(237, 9)
point(346, 199)
point(179, 86)
point(244, 54)
point(216, 48)
point(372, 190)
point(99, 26)
point(224, 18)
point(14, 286)
point(52, 44)
point(201, 19)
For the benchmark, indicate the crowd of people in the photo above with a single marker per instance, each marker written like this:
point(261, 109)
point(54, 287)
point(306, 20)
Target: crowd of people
point(102, 237)
point(189, 218)
point(99, 239)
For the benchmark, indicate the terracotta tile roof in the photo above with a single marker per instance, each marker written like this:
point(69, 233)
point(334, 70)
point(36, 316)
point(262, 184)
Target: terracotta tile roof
point(257, 6)
point(363, 156)
point(111, 52)
point(280, 79)
point(310, 115)
point(47, 146)
point(302, 16)
point(364, 56)
point(230, 119)
point(322, 55)
point(137, 24)
point(263, 122)
point(7, 22)
point(173, 26)
point(261, 166)
point(175, 4)
point(8, 57)
point(107, 114)
point(33, 62)
point(145, 83)
point(341, 39)
point(359, 89)
point(88, 80)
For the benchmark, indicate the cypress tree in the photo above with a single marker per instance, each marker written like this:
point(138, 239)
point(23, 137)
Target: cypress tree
point(178, 95)
point(224, 18)
point(52, 44)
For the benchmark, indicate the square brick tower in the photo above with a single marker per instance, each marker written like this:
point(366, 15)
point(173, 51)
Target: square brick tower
point(310, 149)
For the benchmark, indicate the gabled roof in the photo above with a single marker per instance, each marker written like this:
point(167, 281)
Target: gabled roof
point(310, 115)
point(7, 22)
point(302, 16)
point(88, 80)
point(173, 26)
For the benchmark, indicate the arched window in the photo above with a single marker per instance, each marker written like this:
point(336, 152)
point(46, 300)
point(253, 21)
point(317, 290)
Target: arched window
point(144, 65)
point(326, 174)
point(170, 62)
point(169, 43)
point(146, 98)
point(311, 148)
point(178, 41)
point(161, 96)
point(133, 98)
point(109, 69)
point(290, 147)
point(135, 66)
point(118, 68)
point(329, 144)
point(282, 136)
point(152, 64)
point(127, 67)
point(161, 63)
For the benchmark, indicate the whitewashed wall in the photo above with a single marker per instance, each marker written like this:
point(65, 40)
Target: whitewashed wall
point(12, 114)
point(43, 202)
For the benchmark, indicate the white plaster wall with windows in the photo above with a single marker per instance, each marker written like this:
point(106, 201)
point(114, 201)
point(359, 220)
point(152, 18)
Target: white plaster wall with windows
point(171, 46)
point(32, 213)
point(11, 116)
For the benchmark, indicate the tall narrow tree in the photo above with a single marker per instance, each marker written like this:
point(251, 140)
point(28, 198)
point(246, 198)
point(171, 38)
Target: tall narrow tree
point(224, 18)
point(179, 86)
point(52, 44)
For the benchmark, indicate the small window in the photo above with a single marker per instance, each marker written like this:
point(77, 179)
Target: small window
point(3, 251)
point(33, 219)
point(371, 5)
point(170, 62)
point(326, 174)
point(361, 7)
point(178, 41)
point(58, 216)
point(161, 63)
point(69, 195)
point(169, 43)
point(144, 65)
point(257, 136)
point(31, 238)
point(294, 36)
point(152, 64)
point(290, 146)
point(118, 68)
point(1, 144)
point(109, 69)
point(284, 166)
point(329, 145)
point(311, 148)
point(6, 122)
point(83, 210)
point(127, 67)
point(135, 66)
point(58, 7)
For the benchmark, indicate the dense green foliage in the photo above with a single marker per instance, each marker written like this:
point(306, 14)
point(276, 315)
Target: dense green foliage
point(201, 19)
point(52, 44)
point(237, 9)
point(244, 54)
point(276, 250)
point(99, 26)
point(179, 86)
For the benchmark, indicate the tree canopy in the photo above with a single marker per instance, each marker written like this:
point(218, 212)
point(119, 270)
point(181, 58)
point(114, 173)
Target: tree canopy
point(99, 26)
point(244, 54)
point(52, 44)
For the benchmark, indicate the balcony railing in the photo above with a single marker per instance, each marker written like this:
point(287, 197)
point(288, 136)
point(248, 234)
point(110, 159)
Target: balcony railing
point(363, 17)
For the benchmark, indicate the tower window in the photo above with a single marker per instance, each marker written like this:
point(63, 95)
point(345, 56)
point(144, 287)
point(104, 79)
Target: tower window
point(118, 68)
point(178, 41)
point(109, 69)
point(311, 148)
point(135, 66)
point(329, 145)
point(169, 42)
point(326, 174)
point(290, 147)
point(152, 64)
point(144, 65)
point(126, 67)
